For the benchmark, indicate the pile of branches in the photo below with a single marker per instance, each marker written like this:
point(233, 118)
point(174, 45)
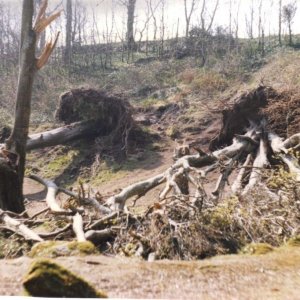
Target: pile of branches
point(256, 197)
point(187, 222)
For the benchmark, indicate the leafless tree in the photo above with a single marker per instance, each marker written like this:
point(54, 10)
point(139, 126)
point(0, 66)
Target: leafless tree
point(261, 29)
point(13, 154)
point(130, 6)
point(236, 21)
point(288, 14)
point(188, 15)
point(204, 18)
point(250, 21)
point(68, 45)
point(280, 22)
point(162, 29)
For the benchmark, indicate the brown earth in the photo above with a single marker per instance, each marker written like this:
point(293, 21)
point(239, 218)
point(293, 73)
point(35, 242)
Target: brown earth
point(272, 276)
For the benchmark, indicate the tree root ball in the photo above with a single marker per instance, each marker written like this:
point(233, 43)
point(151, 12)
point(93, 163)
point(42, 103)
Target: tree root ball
point(112, 116)
point(48, 279)
point(88, 104)
point(279, 108)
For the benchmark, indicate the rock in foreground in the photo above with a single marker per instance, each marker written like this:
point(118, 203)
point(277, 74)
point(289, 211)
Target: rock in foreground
point(48, 279)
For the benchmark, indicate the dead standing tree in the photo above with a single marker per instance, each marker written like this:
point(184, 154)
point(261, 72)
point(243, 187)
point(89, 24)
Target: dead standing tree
point(13, 154)
point(68, 46)
point(289, 12)
point(130, 6)
point(188, 15)
point(279, 22)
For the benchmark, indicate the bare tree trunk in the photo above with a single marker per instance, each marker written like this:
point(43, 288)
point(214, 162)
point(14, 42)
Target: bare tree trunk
point(130, 23)
point(17, 140)
point(280, 22)
point(188, 15)
point(68, 46)
point(16, 143)
point(290, 34)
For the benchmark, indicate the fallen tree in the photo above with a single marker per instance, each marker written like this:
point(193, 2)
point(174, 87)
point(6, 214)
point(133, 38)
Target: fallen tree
point(63, 134)
point(186, 221)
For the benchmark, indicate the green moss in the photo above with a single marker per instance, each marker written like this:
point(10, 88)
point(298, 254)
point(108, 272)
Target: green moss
point(60, 163)
point(257, 248)
point(222, 215)
point(48, 279)
point(60, 248)
point(172, 132)
point(294, 241)
point(13, 247)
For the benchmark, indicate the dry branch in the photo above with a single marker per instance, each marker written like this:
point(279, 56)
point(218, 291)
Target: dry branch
point(237, 186)
point(260, 162)
point(292, 141)
point(117, 202)
point(52, 190)
point(19, 228)
point(78, 228)
point(55, 233)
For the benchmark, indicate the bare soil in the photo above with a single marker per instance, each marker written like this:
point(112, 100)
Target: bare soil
point(272, 276)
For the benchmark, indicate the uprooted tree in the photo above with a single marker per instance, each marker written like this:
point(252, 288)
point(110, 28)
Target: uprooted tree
point(256, 156)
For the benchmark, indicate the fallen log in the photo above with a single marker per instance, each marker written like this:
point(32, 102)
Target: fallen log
point(62, 135)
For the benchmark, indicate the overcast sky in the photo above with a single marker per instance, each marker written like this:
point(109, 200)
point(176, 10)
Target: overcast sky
point(174, 10)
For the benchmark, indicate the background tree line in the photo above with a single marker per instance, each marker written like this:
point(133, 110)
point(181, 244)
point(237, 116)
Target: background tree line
point(87, 42)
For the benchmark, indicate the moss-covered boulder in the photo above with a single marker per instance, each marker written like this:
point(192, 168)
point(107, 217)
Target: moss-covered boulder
point(48, 279)
point(257, 248)
point(60, 248)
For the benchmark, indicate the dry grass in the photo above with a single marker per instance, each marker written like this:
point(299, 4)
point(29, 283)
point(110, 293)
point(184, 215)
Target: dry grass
point(281, 70)
point(209, 82)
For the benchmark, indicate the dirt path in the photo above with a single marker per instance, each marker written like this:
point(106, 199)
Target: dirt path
point(272, 276)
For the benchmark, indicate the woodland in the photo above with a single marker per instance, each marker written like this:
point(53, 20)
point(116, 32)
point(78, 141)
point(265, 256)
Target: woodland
point(149, 142)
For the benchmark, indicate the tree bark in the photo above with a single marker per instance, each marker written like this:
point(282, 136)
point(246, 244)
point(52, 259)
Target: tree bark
point(130, 23)
point(17, 141)
point(11, 197)
point(28, 65)
point(61, 135)
point(279, 23)
point(68, 46)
